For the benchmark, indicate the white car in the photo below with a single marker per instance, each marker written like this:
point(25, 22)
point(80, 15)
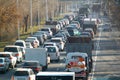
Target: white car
point(53, 52)
point(23, 74)
point(59, 41)
point(11, 58)
point(4, 64)
point(33, 40)
point(16, 51)
point(20, 43)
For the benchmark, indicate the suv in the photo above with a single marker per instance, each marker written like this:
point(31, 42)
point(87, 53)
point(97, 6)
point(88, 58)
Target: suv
point(16, 51)
point(11, 58)
point(4, 64)
point(23, 74)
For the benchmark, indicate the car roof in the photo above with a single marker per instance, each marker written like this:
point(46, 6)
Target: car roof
point(55, 73)
point(11, 46)
point(31, 61)
point(19, 41)
point(55, 38)
point(77, 54)
point(5, 52)
point(23, 69)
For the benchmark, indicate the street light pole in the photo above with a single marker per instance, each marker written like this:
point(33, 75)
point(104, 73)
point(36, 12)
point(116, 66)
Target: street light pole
point(31, 17)
point(18, 22)
point(38, 14)
point(46, 10)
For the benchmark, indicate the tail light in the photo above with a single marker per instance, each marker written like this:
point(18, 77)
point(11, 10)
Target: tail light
point(29, 78)
point(1, 65)
point(37, 69)
point(10, 58)
point(12, 78)
point(83, 73)
point(17, 54)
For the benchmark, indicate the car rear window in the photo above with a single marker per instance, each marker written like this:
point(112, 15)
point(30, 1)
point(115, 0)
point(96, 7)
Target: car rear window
point(55, 41)
point(30, 64)
point(4, 55)
point(51, 49)
point(1, 60)
point(11, 49)
point(19, 44)
point(21, 73)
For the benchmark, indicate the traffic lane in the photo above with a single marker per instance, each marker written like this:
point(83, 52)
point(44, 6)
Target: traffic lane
point(58, 66)
point(107, 58)
point(7, 75)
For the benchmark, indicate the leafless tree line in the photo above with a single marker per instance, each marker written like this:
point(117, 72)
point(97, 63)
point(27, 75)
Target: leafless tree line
point(11, 12)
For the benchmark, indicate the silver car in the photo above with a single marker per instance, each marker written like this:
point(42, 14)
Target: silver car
point(4, 64)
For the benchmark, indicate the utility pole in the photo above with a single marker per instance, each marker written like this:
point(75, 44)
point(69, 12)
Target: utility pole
point(18, 22)
point(31, 17)
point(39, 14)
point(46, 10)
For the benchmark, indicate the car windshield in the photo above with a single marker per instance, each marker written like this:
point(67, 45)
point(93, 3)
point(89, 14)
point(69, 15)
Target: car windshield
point(54, 78)
point(1, 60)
point(10, 49)
point(19, 44)
point(51, 49)
point(21, 73)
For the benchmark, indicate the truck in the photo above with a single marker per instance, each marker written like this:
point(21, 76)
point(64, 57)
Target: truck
point(78, 62)
point(37, 54)
point(90, 23)
point(82, 44)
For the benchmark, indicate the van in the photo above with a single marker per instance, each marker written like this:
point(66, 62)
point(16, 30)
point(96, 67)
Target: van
point(55, 76)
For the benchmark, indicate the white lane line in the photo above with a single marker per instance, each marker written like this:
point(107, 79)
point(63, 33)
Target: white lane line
point(96, 55)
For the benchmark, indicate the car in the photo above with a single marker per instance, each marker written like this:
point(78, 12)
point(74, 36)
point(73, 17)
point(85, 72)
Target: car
point(53, 52)
point(34, 65)
point(41, 33)
point(59, 41)
point(47, 30)
point(16, 51)
point(4, 64)
point(33, 40)
point(40, 38)
point(20, 43)
point(49, 44)
point(12, 59)
point(23, 74)
point(28, 45)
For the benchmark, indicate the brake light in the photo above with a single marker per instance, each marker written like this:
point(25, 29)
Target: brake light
point(12, 78)
point(1, 65)
point(29, 78)
point(83, 73)
point(10, 58)
point(16, 54)
point(37, 69)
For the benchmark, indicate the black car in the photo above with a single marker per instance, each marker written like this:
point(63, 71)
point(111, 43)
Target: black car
point(34, 65)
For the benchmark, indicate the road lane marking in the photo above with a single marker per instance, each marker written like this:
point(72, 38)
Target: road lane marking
point(96, 55)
